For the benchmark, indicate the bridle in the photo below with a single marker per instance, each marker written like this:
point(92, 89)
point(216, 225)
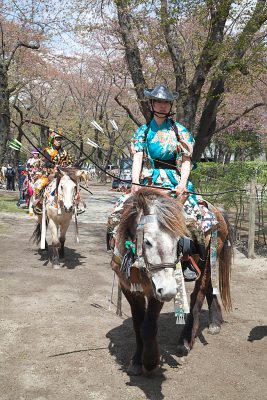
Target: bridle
point(141, 261)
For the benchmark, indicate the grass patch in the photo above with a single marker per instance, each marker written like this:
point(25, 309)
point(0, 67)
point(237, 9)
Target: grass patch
point(8, 203)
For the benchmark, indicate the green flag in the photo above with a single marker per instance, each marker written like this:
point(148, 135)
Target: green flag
point(15, 144)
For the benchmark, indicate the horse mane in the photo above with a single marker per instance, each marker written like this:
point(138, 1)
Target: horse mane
point(169, 213)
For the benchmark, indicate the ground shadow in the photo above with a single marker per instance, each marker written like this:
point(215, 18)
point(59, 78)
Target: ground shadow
point(257, 333)
point(122, 346)
point(71, 260)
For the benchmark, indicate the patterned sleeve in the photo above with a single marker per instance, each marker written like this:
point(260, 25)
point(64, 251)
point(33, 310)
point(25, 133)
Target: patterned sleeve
point(138, 139)
point(186, 140)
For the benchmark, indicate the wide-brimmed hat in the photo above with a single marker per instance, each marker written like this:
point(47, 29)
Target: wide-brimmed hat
point(160, 92)
point(55, 134)
point(34, 151)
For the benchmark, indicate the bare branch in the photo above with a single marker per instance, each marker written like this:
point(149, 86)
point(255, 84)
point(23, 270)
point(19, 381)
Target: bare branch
point(18, 45)
point(2, 41)
point(232, 121)
point(31, 121)
point(20, 113)
point(133, 118)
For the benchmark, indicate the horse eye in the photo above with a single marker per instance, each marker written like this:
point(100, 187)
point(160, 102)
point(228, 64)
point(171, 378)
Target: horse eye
point(147, 242)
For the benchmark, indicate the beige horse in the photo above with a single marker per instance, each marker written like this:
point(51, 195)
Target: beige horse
point(85, 177)
point(59, 205)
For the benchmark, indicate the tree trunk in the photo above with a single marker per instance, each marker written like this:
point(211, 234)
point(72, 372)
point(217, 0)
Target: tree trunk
point(133, 55)
point(17, 154)
point(227, 157)
point(208, 56)
point(207, 124)
point(44, 133)
point(4, 115)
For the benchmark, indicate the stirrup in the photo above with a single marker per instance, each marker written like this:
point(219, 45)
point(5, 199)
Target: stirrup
point(189, 274)
point(37, 210)
point(80, 211)
point(190, 269)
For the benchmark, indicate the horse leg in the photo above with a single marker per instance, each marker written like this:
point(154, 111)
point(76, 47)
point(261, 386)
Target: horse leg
point(63, 229)
point(149, 330)
point(55, 244)
point(215, 312)
point(61, 247)
point(138, 309)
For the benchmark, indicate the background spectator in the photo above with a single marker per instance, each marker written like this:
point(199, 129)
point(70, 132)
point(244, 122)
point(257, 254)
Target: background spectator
point(10, 177)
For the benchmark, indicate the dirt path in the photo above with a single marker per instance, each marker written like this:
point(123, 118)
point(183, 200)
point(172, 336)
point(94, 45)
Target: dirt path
point(60, 341)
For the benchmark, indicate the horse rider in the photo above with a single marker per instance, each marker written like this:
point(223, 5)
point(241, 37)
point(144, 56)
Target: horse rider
point(162, 151)
point(33, 161)
point(55, 155)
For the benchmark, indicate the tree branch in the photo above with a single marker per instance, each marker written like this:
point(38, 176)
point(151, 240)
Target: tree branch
point(2, 41)
point(30, 121)
point(232, 121)
point(20, 113)
point(130, 114)
point(18, 45)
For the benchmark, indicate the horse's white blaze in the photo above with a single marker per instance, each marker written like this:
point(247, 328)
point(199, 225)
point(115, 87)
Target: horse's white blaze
point(66, 191)
point(160, 247)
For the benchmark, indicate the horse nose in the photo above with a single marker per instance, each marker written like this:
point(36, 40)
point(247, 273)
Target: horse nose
point(166, 294)
point(68, 209)
point(164, 285)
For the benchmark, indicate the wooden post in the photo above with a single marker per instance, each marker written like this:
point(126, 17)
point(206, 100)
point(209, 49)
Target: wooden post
point(119, 301)
point(252, 210)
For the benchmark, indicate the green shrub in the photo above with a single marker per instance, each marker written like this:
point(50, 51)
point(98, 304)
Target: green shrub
point(215, 177)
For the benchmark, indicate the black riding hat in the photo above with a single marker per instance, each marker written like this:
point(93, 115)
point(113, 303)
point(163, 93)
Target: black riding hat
point(160, 92)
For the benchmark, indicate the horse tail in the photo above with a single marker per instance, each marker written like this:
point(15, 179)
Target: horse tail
point(225, 263)
point(36, 235)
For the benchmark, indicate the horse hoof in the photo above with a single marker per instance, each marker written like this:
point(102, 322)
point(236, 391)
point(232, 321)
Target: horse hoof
point(56, 266)
point(214, 329)
point(183, 349)
point(134, 369)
